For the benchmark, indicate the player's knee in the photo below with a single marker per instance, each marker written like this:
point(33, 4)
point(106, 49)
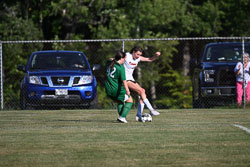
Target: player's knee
point(142, 91)
point(130, 100)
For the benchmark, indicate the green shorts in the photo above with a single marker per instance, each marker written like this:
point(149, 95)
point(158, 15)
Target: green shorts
point(122, 97)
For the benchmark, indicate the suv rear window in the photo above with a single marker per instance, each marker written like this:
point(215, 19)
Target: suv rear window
point(230, 53)
point(58, 61)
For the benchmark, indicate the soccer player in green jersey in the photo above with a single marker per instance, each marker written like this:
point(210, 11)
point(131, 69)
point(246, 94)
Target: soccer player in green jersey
point(116, 85)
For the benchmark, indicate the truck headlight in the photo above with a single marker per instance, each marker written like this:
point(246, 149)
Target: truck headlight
point(34, 80)
point(208, 75)
point(86, 79)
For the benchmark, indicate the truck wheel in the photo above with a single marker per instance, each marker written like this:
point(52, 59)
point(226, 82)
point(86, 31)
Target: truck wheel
point(197, 104)
point(94, 103)
point(23, 102)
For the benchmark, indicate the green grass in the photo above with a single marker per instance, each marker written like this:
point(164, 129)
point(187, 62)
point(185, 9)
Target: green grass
point(94, 138)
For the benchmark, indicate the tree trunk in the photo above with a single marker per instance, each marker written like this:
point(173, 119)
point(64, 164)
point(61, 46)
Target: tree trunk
point(186, 59)
point(153, 92)
point(138, 69)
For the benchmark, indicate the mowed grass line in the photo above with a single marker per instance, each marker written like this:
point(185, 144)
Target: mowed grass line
point(94, 138)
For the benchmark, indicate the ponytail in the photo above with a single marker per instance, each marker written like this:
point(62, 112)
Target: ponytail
point(119, 55)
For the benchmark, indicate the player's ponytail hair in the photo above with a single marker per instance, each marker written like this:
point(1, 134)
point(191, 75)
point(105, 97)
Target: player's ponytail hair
point(119, 55)
point(136, 49)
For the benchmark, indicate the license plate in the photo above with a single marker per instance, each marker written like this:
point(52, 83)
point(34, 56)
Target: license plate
point(61, 92)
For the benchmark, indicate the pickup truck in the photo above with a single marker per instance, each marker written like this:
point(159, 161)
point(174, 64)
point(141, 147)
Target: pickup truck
point(213, 79)
point(58, 79)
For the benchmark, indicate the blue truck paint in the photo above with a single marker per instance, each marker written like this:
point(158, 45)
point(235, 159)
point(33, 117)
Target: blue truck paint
point(75, 83)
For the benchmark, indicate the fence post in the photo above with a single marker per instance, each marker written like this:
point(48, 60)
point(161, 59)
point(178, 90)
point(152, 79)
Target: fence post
point(1, 75)
point(123, 45)
point(244, 84)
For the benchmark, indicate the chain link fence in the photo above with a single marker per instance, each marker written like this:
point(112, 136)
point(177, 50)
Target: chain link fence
point(174, 80)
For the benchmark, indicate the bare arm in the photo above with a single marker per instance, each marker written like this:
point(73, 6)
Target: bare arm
point(238, 71)
point(157, 54)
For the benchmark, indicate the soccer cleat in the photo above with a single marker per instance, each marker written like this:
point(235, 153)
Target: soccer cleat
point(139, 119)
point(154, 113)
point(136, 118)
point(122, 120)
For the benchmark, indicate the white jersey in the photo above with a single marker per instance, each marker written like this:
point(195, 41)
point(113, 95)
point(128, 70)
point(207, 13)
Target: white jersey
point(130, 64)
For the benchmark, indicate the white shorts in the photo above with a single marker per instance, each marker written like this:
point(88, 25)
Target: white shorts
point(126, 97)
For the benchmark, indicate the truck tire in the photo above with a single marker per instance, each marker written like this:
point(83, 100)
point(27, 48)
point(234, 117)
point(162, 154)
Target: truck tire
point(23, 101)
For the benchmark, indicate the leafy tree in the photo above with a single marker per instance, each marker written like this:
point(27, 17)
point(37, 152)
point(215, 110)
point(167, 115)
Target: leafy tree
point(235, 18)
point(178, 93)
point(113, 19)
point(15, 28)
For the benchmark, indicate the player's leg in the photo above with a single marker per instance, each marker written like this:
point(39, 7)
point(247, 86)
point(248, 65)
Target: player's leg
point(125, 109)
point(247, 90)
point(120, 107)
point(133, 86)
point(141, 92)
point(139, 109)
point(239, 90)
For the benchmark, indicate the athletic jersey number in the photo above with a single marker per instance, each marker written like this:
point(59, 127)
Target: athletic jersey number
point(111, 73)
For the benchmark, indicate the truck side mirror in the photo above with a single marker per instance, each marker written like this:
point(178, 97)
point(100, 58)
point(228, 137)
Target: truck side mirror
point(96, 67)
point(21, 68)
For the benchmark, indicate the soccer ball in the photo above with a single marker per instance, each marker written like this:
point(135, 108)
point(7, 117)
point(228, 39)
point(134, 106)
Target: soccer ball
point(146, 117)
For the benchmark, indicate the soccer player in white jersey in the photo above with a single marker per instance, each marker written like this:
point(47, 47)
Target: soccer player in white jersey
point(131, 62)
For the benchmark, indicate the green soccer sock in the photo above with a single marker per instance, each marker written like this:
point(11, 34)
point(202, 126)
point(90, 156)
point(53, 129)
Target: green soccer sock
point(126, 109)
point(119, 108)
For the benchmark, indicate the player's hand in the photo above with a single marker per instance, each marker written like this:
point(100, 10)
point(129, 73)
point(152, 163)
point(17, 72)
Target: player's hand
point(128, 92)
point(157, 54)
point(239, 66)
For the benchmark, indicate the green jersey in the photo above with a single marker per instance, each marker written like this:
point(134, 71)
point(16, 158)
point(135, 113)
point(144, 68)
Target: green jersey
point(114, 83)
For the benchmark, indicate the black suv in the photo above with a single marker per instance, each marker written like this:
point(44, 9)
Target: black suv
point(214, 81)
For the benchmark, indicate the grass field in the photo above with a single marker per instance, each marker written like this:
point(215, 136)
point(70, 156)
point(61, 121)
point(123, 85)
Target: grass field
point(94, 138)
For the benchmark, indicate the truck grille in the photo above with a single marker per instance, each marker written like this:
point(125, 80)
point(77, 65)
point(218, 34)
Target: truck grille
point(44, 81)
point(226, 78)
point(59, 81)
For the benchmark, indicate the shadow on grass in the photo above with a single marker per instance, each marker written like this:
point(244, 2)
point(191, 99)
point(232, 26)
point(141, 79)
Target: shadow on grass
point(94, 121)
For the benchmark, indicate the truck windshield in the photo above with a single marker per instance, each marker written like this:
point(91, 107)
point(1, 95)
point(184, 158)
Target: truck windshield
point(231, 53)
point(58, 61)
